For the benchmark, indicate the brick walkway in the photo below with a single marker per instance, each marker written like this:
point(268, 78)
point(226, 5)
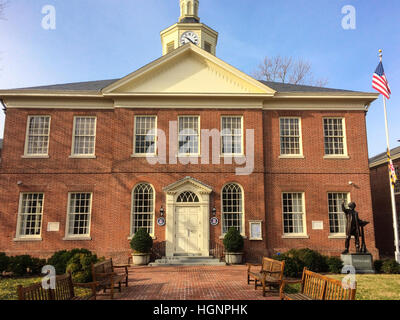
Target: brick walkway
point(191, 283)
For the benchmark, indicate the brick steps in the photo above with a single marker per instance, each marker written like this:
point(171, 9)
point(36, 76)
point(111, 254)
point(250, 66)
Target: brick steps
point(187, 261)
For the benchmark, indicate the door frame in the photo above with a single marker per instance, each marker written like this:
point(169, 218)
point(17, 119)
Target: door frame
point(203, 193)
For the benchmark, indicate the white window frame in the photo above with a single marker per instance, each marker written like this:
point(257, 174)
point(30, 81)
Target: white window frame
point(337, 234)
point(26, 147)
point(294, 155)
point(255, 222)
point(20, 236)
point(198, 133)
point(139, 155)
point(242, 135)
point(304, 216)
point(152, 234)
point(69, 236)
point(243, 231)
point(77, 155)
point(345, 152)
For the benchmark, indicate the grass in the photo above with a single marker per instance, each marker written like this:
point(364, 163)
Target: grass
point(369, 286)
point(8, 287)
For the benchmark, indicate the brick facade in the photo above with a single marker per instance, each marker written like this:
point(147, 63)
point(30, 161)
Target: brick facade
point(112, 175)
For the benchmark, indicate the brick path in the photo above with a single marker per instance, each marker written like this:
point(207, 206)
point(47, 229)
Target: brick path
point(191, 283)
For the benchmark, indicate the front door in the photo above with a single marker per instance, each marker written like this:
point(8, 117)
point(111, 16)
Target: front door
point(187, 230)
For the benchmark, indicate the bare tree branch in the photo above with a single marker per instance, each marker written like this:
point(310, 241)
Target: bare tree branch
point(288, 70)
point(3, 5)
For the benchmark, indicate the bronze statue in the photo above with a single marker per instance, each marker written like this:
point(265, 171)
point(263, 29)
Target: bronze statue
point(354, 227)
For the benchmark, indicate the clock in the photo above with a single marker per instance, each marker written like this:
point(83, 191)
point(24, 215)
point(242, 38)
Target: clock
point(189, 37)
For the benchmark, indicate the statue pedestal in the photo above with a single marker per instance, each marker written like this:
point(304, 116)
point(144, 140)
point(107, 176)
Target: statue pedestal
point(362, 262)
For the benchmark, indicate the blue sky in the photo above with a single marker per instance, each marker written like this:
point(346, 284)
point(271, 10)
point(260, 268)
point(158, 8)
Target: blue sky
point(105, 39)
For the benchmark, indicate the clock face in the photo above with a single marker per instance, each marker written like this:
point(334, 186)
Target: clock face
point(189, 37)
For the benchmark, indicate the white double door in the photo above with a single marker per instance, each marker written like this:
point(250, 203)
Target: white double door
point(187, 230)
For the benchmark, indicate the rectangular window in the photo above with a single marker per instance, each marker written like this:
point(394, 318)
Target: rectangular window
point(30, 214)
point(337, 218)
point(189, 135)
point(84, 138)
point(293, 213)
point(79, 212)
point(37, 136)
point(207, 46)
point(290, 133)
point(334, 135)
point(170, 46)
point(232, 135)
point(145, 135)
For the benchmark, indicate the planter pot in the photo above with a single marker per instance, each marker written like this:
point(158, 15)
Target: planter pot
point(140, 259)
point(234, 257)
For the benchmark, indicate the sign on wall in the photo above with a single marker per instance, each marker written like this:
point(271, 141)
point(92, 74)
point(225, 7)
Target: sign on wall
point(53, 227)
point(255, 230)
point(161, 222)
point(214, 221)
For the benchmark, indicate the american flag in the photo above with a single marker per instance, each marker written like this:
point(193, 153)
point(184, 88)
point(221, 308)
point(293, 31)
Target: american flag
point(379, 81)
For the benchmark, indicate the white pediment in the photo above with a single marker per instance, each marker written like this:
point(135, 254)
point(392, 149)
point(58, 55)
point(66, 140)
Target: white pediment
point(188, 70)
point(188, 184)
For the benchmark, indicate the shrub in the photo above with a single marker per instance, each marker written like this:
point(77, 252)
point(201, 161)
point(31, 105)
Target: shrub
point(391, 267)
point(59, 259)
point(293, 266)
point(4, 262)
point(310, 259)
point(20, 265)
point(335, 265)
point(233, 241)
point(142, 242)
point(378, 266)
point(80, 267)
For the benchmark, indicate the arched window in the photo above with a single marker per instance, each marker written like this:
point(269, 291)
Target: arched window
point(189, 8)
point(232, 207)
point(143, 208)
point(196, 9)
point(188, 197)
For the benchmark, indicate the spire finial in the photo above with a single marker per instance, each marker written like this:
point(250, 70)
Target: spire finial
point(380, 55)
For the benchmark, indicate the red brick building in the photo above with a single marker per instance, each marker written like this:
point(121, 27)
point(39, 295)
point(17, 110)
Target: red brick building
point(87, 164)
point(381, 201)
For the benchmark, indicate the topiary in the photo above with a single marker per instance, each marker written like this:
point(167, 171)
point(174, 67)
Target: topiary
point(80, 267)
point(391, 267)
point(59, 259)
point(4, 262)
point(142, 242)
point(335, 265)
point(233, 241)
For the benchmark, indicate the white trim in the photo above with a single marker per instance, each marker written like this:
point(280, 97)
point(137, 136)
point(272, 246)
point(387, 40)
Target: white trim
point(345, 154)
point(228, 155)
point(78, 155)
point(131, 234)
point(336, 235)
point(259, 222)
point(295, 155)
point(198, 154)
point(38, 155)
point(243, 227)
point(69, 236)
point(304, 234)
point(144, 155)
point(18, 236)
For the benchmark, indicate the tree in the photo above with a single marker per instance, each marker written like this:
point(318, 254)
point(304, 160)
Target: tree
point(288, 70)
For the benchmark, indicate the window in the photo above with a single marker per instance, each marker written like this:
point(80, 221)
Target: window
point(170, 46)
point(334, 133)
point(290, 133)
point(232, 135)
point(207, 46)
point(143, 208)
point(232, 208)
point(79, 213)
point(37, 136)
point(145, 135)
point(293, 213)
point(397, 185)
point(30, 214)
point(337, 218)
point(84, 139)
point(189, 135)
point(187, 197)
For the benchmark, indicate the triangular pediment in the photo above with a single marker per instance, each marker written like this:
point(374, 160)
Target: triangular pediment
point(188, 70)
point(188, 184)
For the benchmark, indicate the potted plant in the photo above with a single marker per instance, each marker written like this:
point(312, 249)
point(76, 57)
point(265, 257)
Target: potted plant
point(141, 245)
point(233, 243)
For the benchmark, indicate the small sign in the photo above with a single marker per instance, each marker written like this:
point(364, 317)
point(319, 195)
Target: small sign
point(318, 225)
point(53, 227)
point(255, 230)
point(161, 222)
point(214, 221)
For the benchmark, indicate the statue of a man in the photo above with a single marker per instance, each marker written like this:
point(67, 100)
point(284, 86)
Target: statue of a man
point(352, 226)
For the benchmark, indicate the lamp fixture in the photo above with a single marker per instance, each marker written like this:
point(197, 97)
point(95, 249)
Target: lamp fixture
point(162, 211)
point(214, 212)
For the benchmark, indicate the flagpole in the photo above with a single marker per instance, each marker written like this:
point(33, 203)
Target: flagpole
point(393, 199)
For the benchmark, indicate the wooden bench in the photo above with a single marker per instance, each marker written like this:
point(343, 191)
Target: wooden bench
point(315, 286)
point(270, 274)
point(104, 274)
point(65, 290)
